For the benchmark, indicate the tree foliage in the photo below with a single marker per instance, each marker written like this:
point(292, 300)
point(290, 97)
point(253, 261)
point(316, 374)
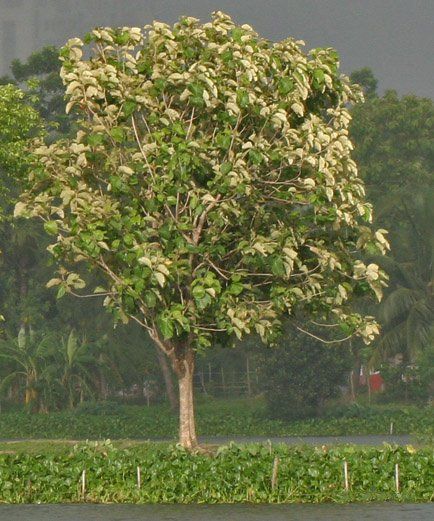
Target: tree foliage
point(39, 78)
point(18, 122)
point(190, 158)
point(394, 140)
point(211, 182)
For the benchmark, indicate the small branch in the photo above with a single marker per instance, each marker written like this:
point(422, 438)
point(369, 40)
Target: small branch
point(143, 324)
point(91, 295)
point(197, 232)
point(155, 337)
point(324, 325)
point(203, 328)
point(218, 270)
point(141, 147)
point(190, 125)
point(321, 339)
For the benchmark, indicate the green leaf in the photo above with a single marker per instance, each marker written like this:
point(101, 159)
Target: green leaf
point(122, 39)
point(51, 227)
point(235, 288)
point(165, 325)
point(118, 134)
point(278, 267)
point(150, 299)
point(95, 139)
point(237, 33)
point(255, 156)
point(318, 74)
point(243, 98)
point(285, 85)
point(61, 292)
point(225, 168)
point(198, 292)
point(129, 108)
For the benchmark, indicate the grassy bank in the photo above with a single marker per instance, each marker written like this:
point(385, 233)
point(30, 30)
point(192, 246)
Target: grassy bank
point(231, 474)
point(242, 417)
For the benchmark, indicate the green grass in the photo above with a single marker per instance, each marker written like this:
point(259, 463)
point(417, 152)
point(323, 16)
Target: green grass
point(215, 417)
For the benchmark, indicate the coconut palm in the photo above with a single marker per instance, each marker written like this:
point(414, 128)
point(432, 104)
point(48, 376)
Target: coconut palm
point(407, 312)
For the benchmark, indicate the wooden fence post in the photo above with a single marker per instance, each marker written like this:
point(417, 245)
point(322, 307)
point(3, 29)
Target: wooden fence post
point(274, 476)
point(223, 380)
point(249, 385)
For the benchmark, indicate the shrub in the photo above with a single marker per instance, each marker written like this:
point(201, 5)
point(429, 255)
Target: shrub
point(299, 376)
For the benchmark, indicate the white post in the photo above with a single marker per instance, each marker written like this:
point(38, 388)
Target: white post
point(391, 428)
point(397, 478)
point(346, 482)
point(139, 478)
point(83, 483)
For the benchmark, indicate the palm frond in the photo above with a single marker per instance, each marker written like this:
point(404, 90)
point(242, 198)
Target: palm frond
point(7, 381)
point(398, 303)
point(392, 342)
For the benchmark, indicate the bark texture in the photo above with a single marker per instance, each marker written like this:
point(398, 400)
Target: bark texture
point(187, 426)
point(168, 379)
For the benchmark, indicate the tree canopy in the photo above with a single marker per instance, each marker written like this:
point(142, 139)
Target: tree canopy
point(211, 182)
point(394, 138)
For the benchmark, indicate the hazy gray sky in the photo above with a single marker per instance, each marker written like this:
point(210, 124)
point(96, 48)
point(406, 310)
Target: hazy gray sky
point(393, 37)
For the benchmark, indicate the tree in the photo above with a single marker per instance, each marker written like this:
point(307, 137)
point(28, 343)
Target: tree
point(366, 79)
point(18, 122)
point(395, 153)
point(211, 183)
point(28, 356)
point(301, 374)
point(39, 78)
point(77, 365)
point(407, 312)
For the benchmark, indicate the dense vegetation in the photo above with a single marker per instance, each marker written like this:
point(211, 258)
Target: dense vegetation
point(232, 474)
point(51, 350)
point(215, 418)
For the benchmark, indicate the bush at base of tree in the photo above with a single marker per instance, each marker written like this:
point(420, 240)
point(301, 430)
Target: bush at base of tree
point(301, 374)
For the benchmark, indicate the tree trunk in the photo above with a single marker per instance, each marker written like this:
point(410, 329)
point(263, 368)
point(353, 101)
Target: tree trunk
point(168, 380)
point(187, 428)
point(181, 356)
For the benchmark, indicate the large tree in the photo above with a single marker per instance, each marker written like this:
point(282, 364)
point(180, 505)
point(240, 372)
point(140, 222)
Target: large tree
point(394, 138)
point(211, 183)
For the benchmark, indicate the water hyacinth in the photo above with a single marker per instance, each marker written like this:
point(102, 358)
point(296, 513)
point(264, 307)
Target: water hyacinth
point(233, 474)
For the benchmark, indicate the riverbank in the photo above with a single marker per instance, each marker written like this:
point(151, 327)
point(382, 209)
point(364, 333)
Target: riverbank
point(215, 417)
point(157, 473)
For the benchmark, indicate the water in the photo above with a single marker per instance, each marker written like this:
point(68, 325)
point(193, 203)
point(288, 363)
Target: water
point(326, 512)
point(374, 440)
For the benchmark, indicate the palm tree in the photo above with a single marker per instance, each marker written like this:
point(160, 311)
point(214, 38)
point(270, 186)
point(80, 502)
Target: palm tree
point(79, 363)
point(29, 362)
point(407, 312)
